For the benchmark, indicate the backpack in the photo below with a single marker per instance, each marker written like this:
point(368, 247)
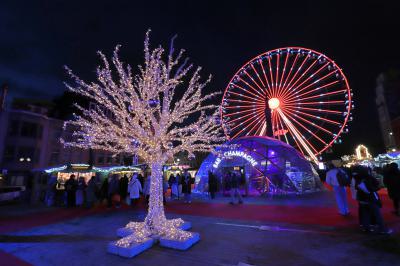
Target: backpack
point(342, 178)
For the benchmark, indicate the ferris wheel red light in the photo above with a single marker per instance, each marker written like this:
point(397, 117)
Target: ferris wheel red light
point(295, 94)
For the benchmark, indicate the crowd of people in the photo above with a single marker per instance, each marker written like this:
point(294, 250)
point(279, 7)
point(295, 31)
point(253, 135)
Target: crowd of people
point(181, 185)
point(114, 190)
point(232, 182)
point(364, 184)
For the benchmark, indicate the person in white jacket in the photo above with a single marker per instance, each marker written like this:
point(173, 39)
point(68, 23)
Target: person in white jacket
point(134, 189)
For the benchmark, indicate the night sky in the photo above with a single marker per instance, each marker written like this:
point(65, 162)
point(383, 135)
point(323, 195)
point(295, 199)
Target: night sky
point(39, 37)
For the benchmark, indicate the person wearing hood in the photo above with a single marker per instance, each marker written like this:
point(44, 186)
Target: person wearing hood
point(134, 189)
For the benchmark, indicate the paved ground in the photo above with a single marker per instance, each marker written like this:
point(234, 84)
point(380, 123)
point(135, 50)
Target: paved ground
point(296, 234)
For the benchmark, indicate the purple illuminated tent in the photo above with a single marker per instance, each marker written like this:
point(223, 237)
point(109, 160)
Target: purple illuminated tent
point(266, 165)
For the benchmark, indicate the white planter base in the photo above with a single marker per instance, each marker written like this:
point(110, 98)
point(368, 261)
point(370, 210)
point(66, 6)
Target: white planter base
point(130, 251)
point(186, 226)
point(126, 231)
point(180, 245)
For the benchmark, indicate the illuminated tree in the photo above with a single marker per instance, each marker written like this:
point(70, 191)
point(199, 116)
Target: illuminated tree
point(154, 114)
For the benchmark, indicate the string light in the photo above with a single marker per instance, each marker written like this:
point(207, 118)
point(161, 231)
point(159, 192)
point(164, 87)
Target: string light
point(141, 115)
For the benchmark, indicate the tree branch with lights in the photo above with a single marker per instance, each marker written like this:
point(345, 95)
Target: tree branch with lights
point(154, 114)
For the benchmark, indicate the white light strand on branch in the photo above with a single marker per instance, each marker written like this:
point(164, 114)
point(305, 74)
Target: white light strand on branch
point(140, 114)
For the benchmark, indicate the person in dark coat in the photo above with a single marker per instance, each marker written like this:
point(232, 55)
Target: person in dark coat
point(123, 187)
point(179, 180)
point(91, 191)
point(140, 177)
point(212, 184)
point(187, 186)
point(235, 192)
point(113, 192)
point(367, 195)
point(173, 185)
point(392, 182)
point(104, 189)
point(70, 188)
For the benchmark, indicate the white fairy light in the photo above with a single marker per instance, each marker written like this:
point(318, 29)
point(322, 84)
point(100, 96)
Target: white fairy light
point(144, 108)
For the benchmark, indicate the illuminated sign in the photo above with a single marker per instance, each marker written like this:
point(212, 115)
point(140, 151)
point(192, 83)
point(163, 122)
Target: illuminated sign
point(241, 154)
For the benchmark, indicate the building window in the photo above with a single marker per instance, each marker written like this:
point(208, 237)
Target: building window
point(109, 159)
point(54, 157)
point(13, 128)
point(9, 153)
point(31, 130)
point(100, 159)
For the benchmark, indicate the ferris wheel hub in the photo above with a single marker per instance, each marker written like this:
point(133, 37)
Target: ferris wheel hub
point(273, 103)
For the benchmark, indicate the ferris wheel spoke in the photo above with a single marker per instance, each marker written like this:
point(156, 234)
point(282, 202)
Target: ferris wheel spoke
point(291, 69)
point(313, 83)
point(254, 112)
point(240, 112)
point(245, 96)
point(240, 117)
point(307, 129)
point(244, 106)
point(248, 91)
point(275, 126)
point(283, 70)
point(267, 92)
point(293, 113)
point(258, 86)
point(293, 88)
point(306, 145)
point(320, 110)
point(318, 88)
point(317, 117)
point(295, 75)
point(260, 96)
point(271, 75)
point(245, 101)
point(300, 148)
point(322, 102)
point(265, 75)
point(244, 127)
point(322, 95)
point(277, 73)
point(280, 122)
point(258, 76)
point(258, 125)
point(245, 121)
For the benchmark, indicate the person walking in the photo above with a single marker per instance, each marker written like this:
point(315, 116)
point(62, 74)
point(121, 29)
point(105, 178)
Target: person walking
point(134, 189)
point(70, 188)
point(80, 192)
point(234, 185)
point(146, 188)
point(91, 191)
point(187, 186)
point(123, 187)
point(173, 185)
point(392, 182)
point(179, 184)
point(212, 184)
point(51, 191)
point(370, 204)
point(338, 179)
point(113, 190)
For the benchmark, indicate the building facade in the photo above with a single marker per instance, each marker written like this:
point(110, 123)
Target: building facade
point(30, 140)
point(388, 106)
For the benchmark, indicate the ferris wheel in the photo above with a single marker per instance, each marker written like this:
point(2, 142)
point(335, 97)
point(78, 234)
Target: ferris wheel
point(294, 94)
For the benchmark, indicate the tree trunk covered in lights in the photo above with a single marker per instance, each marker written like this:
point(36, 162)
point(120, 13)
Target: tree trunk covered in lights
point(155, 219)
point(144, 114)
